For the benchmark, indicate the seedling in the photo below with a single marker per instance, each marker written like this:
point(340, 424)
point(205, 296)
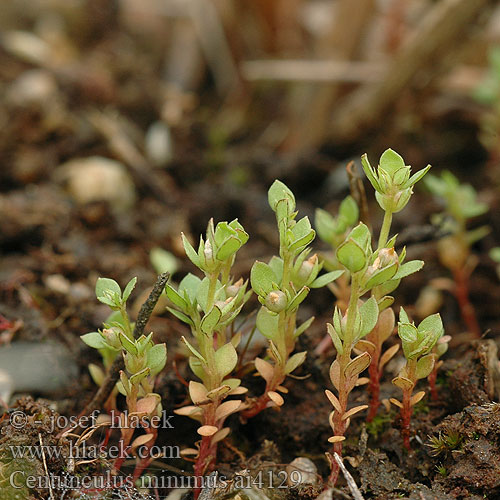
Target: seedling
point(378, 272)
point(143, 361)
point(281, 286)
point(107, 341)
point(210, 306)
point(418, 343)
point(455, 250)
point(333, 231)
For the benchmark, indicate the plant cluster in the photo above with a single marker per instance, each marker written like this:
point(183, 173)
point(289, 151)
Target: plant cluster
point(211, 304)
point(143, 360)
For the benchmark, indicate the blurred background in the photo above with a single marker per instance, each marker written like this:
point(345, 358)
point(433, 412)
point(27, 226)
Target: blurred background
point(125, 122)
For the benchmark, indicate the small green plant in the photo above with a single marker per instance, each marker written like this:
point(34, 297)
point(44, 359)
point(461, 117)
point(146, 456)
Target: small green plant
point(455, 250)
point(107, 340)
point(333, 231)
point(281, 286)
point(210, 306)
point(418, 343)
point(376, 271)
point(143, 359)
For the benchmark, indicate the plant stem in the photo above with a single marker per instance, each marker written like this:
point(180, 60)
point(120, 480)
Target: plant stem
point(466, 308)
point(384, 231)
point(407, 409)
point(374, 387)
point(432, 383)
point(339, 424)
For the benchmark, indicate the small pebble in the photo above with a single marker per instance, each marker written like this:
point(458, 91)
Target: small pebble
point(35, 367)
point(99, 179)
point(158, 144)
point(301, 470)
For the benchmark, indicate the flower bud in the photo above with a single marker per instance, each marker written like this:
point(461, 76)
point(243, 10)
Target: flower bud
point(208, 252)
point(276, 301)
point(232, 290)
point(307, 268)
point(111, 336)
point(386, 257)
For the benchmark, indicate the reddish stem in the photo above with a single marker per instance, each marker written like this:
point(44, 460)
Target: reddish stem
point(406, 412)
point(432, 383)
point(205, 462)
point(374, 387)
point(339, 425)
point(145, 461)
point(466, 308)
point(260, 405)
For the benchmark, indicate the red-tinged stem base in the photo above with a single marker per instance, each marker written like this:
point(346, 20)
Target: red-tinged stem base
point(466, 308)
point(406, 412)
point(432, 384)
point(374, 390)
point(260, 405)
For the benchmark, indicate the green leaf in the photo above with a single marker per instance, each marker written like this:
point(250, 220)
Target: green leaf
point(425, 366)
point(228, 248)
point(225, 359)
point(403, 317)
point(349, 210)
point(432, 324)
point(390, 161)
point(409, 268)
point(262, 278)
point(210, 320)
point(302, 242)
point(128, 289)
point(276, 264)
point(223, 231)
point(125, 382)
point(385, 302)
point(180, 315)
point(241, 233)
point(362, 236)
point(106, 284)
point(163, 261)
point(136, 378)
point(127, 344)
point(295, 361)
point(190, 284)
point(267, 323)
point(279, 191)
point(193, 350)
point(107, 291)
point(370, 172)
point(157, 358)
point(175, 298)
point(335, 338)
point(416, 177)
point(351, 256)
point(190, 251)
point(197, 367)
point(303, 327)
point(407, 333)
point(95, 340)
point(326, 278)
point(297, 300)
point(382, 276)
point(325, 225)
point(369, 315)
